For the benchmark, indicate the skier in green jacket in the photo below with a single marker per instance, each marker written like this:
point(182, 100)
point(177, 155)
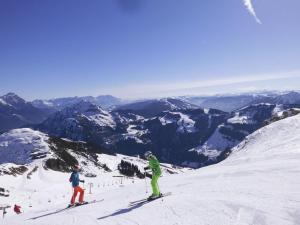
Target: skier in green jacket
point(156, 173)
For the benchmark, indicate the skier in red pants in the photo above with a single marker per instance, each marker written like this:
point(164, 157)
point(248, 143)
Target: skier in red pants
point(75, 184)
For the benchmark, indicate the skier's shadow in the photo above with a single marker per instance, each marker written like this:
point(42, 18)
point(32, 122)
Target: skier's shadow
point(124, 211)
point(48, 214)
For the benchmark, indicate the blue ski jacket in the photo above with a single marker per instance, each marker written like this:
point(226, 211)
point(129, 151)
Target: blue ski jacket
point(75, 179)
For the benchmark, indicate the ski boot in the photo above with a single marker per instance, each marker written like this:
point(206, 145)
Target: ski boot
point(152, 197)
point(81, 203)
point(71, 205)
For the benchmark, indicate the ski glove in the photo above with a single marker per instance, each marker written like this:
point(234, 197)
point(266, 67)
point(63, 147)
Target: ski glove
point(148, 175)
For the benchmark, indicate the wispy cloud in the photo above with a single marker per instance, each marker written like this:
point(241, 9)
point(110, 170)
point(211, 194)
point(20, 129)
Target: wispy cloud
point(197, 86)
point(250, 8)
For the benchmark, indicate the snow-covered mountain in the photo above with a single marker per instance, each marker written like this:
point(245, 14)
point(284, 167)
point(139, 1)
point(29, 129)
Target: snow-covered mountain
point(104, 101)
point(241, 123)
point(176, 131)
point(257, 184)
point(170, 134)
point(229, 103)
point(189, 137)
point(83, 121)
point(150, 108)
point(29, 149)
point(16, 112)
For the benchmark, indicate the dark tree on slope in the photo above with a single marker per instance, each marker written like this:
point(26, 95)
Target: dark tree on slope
point(130, 170)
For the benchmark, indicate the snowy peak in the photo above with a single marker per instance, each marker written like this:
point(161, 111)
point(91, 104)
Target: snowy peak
point(13, 100)
point(22, 146)
point(91, 112)
point(83, 107)
point(15, 112)
point(81, 122)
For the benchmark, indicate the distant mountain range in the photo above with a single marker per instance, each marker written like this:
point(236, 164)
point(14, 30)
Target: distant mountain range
point(15, 112)
point(177, 130)
point(229, 103)
point(105, 101)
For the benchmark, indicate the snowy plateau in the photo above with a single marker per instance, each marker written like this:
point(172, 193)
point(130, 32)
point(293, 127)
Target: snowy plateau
point(258, 184)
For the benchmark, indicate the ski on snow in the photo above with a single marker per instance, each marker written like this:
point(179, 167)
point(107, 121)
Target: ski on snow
point(85, 203)
point(67, 208)
point(144, 200)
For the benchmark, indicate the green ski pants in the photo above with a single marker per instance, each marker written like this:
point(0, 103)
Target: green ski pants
point(154, 184)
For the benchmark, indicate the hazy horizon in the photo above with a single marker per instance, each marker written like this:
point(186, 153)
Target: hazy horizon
point(225, 94)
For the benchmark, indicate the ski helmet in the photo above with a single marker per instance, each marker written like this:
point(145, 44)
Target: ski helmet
point(147, 154)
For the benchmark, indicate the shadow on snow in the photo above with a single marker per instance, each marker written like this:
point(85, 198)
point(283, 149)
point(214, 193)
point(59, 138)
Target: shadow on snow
point(125, 210)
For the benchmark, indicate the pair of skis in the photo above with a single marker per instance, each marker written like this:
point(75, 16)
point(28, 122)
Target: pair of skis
point(134, 203)
point(145, 200)
point(84, 203)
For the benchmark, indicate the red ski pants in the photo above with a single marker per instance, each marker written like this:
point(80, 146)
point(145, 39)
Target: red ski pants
point(81, 194)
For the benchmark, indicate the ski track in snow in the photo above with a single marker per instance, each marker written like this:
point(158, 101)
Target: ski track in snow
point(259, 184)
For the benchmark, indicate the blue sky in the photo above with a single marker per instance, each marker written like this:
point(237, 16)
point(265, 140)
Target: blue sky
point(136, 48)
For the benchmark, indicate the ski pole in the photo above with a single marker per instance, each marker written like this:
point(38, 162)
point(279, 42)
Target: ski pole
point(146, 183)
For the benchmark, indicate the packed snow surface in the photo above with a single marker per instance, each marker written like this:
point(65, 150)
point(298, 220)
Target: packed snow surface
point(259, 184)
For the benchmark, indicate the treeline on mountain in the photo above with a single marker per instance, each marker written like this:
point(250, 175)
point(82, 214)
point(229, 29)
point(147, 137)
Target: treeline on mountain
point(130, 170)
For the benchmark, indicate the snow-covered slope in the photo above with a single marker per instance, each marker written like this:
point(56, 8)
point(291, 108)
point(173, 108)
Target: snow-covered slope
point(34, 167)
point(20, 146)
point(259, 184)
